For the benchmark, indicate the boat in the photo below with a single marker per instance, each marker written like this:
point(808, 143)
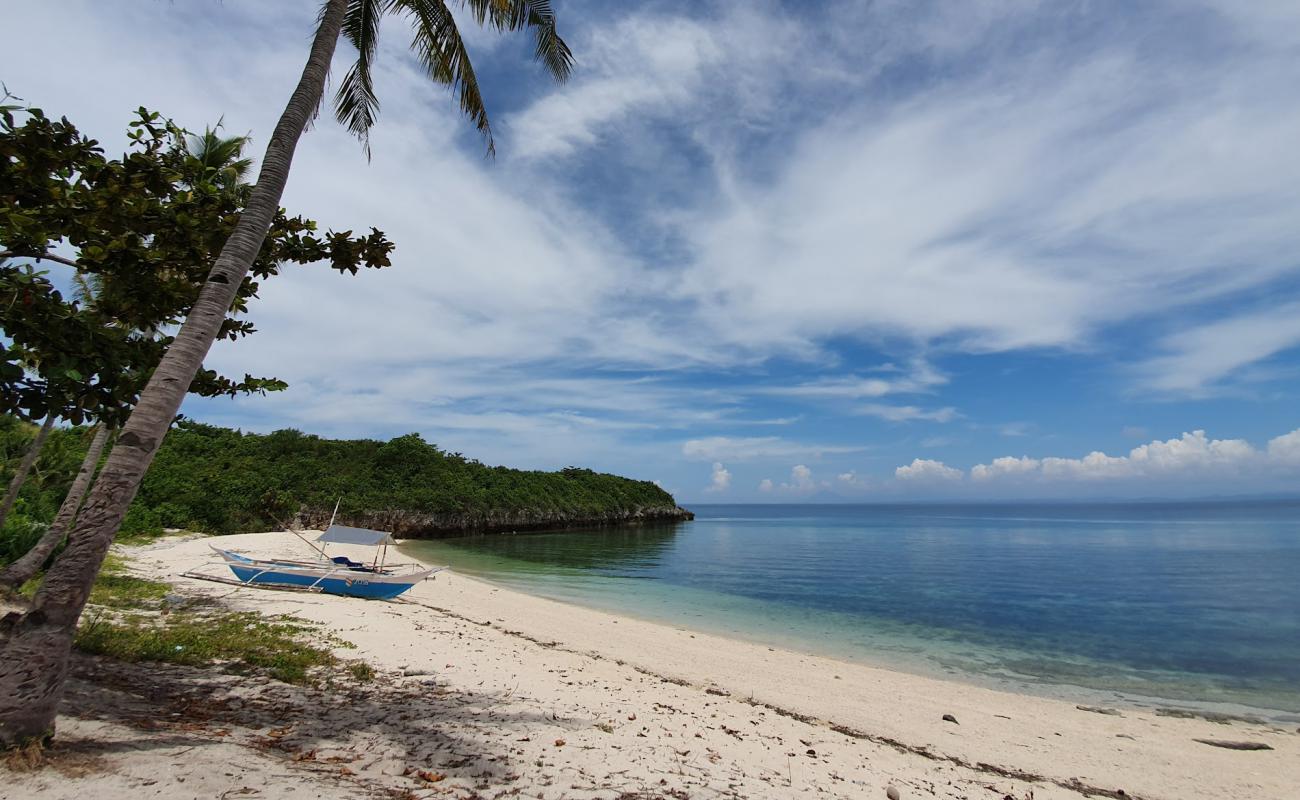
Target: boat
point(332, 575)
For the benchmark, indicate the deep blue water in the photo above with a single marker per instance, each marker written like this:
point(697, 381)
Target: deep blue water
point(1191, 601)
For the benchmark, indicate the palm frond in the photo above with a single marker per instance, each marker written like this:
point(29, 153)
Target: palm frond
point(536, 15)
point(438, 45)
point(218, 158)
point(87, 287)
point(355, 103)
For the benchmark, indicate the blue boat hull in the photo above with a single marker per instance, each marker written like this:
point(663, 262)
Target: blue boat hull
point(351, 585)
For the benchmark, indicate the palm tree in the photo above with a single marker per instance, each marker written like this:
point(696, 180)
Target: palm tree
point(22, 570)
point(25, 467)
point(35, 644)
point(216, 159)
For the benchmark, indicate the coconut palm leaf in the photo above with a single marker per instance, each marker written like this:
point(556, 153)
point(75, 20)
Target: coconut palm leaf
point(441, 50)
point(355, 103)
point(438, 44)
point(218, 159)
point(537, 15)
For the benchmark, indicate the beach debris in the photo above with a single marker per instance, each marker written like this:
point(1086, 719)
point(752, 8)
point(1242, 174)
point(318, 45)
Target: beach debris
point(892, 793)
point(428, 776)
point(950, 718)
point(1110, 712)
point(1231, 745)
point(1209, 716)
point(559, 743)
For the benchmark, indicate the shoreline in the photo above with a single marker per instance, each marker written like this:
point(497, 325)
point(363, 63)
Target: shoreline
point(593, 704)
point(920, 666)
point(1063, 691)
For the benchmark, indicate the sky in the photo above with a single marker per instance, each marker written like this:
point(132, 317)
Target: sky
point(764, 251)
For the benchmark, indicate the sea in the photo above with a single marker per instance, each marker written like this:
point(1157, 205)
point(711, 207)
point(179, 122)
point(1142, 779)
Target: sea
point(1191, 605)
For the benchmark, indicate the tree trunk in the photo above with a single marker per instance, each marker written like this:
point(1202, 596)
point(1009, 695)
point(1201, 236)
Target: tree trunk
point(35, 646)
point(33, 452)
point(21, 571)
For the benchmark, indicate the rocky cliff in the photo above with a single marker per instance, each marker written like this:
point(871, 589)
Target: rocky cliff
point(416, 525)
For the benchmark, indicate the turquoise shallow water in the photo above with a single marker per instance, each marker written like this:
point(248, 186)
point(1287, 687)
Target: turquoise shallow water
point(1194, 603)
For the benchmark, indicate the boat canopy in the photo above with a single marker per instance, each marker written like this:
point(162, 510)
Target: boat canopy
point(342, 534)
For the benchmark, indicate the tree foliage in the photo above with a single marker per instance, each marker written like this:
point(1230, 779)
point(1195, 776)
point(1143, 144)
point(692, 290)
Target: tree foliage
point(223, 481)
point(437, 43)
point(45, 486)
point(146, 228)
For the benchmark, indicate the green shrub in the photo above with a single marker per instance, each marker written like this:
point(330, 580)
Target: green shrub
point(141, 522)
point(19, 534)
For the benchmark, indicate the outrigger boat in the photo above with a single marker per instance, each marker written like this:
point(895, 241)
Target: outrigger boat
point(331, 575)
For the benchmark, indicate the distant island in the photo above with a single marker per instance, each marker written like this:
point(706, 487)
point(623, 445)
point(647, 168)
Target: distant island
point(218, 480)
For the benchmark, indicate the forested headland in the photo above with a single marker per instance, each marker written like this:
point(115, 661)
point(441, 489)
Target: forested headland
point(218, 480)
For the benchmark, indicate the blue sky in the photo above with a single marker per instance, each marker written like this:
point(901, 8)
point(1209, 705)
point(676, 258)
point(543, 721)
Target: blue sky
point(766, 251)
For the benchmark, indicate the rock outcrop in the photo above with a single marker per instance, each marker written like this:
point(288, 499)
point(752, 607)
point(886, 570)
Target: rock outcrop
point(417, 525)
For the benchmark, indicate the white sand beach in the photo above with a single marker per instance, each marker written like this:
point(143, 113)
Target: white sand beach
point(487, 692)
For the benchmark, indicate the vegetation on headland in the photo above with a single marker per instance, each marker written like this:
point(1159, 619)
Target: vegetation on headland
point(217, 480)
point(224, 481)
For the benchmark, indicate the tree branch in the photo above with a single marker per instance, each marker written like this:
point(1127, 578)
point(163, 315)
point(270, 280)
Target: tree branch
point(43, 257)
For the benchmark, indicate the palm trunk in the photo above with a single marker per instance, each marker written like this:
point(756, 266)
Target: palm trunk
point(35, 646)
point(16, 484)
point(22, 570)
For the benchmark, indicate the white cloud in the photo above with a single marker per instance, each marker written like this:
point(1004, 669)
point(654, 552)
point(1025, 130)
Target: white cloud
point(1021, 248)
point(615, 81)
point(756, 447)
point(1285, 449)
point(1006, 465)
point(852, 481)
point(926, 470)
point(908, 413)
point(801, 482)
point(720, 479)
point(919, 377)
point(1191, 456)
point(1196, 359)
point(801, 479)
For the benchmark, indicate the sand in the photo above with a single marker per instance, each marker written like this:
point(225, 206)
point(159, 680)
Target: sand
point(487, 692)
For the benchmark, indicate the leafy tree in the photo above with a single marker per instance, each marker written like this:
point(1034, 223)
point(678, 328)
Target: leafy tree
point(146, 228)
point(34, 646)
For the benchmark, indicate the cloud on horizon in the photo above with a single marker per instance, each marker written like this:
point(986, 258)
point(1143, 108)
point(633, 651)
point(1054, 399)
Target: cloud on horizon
point(1192, 456)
